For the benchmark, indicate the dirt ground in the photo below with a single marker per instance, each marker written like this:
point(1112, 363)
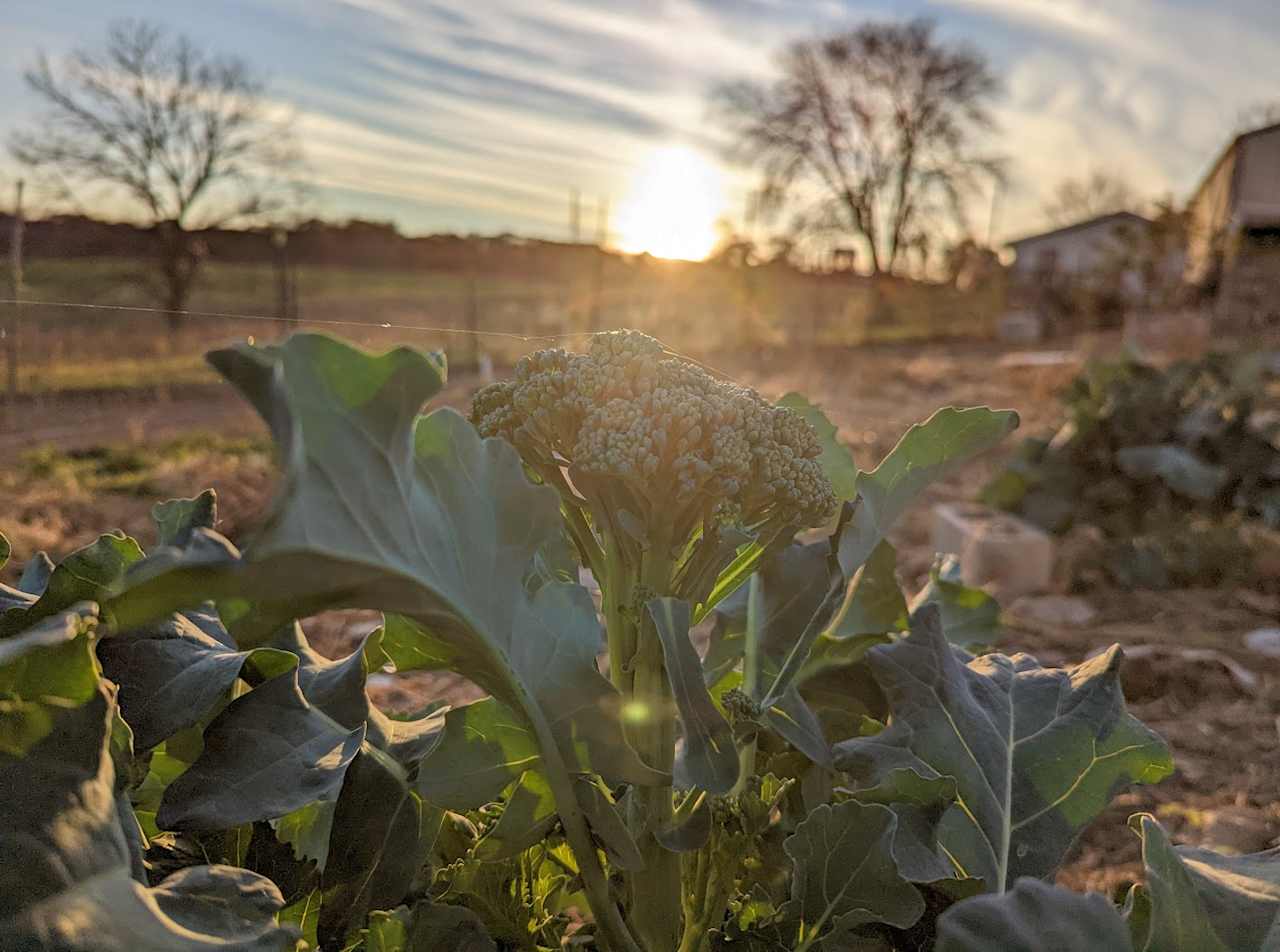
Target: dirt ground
point(1189, 674)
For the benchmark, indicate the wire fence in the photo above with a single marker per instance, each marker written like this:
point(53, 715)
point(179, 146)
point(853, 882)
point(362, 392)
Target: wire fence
point(84, 328)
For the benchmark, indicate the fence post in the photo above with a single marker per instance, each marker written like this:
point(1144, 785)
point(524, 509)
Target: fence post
point(15, 279)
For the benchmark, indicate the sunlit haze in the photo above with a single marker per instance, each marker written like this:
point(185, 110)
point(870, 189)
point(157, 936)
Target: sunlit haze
point(672, 205)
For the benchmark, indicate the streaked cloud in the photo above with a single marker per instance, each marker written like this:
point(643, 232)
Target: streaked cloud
point(482, 114)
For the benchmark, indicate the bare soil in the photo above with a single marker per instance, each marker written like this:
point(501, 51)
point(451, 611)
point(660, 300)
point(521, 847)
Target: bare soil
point(1224, 728)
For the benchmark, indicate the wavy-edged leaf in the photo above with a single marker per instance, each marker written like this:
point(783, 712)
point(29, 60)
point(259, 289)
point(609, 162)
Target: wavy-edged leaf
point(927, 452)
point(420, 517)
point(177, 519)
point(67, 877)
point(970, 617)
point(1035, 753)
point(172, 673)
point(381, 834)
point(36, 574)
point(836, 459)
point(1033, 916)
point(527, 817)
point(845, 875)
point(484, 748)
point(707, 754)
point(85, 575)
point(267, 754)
point(42, 671)
point(1204, 900)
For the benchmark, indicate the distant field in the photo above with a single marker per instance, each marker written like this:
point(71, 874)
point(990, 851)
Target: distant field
point(700, 309)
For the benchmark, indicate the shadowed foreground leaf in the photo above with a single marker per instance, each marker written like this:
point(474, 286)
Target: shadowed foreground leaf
point(845, 874)
point(66, 880)
point(1033, 917)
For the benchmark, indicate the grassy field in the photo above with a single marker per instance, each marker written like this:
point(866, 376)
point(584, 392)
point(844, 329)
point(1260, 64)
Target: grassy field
point(117, 344)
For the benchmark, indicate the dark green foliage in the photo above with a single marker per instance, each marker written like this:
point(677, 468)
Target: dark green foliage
point(1163, 462)
point(848, 776)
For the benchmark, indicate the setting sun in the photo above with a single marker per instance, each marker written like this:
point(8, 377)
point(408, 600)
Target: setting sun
point(672, 205)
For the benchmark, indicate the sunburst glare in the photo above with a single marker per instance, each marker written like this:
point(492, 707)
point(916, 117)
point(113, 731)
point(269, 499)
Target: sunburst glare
point(672, 206)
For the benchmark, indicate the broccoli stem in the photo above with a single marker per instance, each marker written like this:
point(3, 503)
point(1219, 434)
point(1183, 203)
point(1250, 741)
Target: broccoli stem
point(655, 907)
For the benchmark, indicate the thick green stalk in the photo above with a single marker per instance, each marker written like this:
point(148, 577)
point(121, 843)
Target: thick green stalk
point(654, 891)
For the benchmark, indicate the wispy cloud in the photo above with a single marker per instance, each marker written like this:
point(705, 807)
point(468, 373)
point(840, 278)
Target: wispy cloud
point(481, 114)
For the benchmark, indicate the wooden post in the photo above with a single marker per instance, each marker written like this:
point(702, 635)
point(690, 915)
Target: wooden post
point(15, 278)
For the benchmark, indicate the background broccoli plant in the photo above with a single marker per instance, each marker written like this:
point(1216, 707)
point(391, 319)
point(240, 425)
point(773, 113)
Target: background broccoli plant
point(834, 771)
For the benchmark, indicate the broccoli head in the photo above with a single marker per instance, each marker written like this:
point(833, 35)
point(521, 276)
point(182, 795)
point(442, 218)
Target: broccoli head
point(643, 430)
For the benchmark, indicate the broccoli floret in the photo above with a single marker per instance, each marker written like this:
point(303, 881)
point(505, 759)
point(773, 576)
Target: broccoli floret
point(639, 429)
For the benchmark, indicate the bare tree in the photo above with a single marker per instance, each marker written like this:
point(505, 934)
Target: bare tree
point(1099, 193)
point(186, 138)
point(874, 131)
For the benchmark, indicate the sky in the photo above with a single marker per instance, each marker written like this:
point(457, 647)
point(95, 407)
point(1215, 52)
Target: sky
point(482, 115)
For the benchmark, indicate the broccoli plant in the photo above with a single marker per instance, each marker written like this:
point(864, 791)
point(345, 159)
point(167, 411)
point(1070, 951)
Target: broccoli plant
point(837, 768)
point(667, 476)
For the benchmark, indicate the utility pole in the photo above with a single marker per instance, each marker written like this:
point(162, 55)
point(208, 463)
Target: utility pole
point(575, 216)
point(597, 277)
point(15, 278)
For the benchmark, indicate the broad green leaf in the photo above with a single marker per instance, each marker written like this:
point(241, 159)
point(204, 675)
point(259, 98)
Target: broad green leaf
point(428, 927)
point(1034, 916)
point(267, 754)
point(528, 815)
point(1204, 900)
point(844, 872)
point(67, 877)
point(42, 671)
point(85, 575)
point(5, 549)
point(36, 574)
point(875, 604)
point(338, 689)
point(970, 617)
point(379, 842)
point(418, 517)
point(927, 452)
point(484, 748)
point(795, 591)
point(176, 519)
point(607, 824)
point(1177, 467)
point(198, 909)
point(837, 460)
point(304, 915)
point(1035, 753)
point(172, 673)
point(707, 755)
point(307, 830)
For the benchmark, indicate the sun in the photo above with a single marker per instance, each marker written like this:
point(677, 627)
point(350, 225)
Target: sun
point(672, 206)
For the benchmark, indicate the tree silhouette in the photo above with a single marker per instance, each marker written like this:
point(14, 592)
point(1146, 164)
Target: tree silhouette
point(874, 131)
point(186, 138)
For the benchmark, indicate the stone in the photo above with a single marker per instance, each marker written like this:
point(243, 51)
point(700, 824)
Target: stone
point(1065, 610)
point(1265, 641)
point(1238, 830)
point(996, 550)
